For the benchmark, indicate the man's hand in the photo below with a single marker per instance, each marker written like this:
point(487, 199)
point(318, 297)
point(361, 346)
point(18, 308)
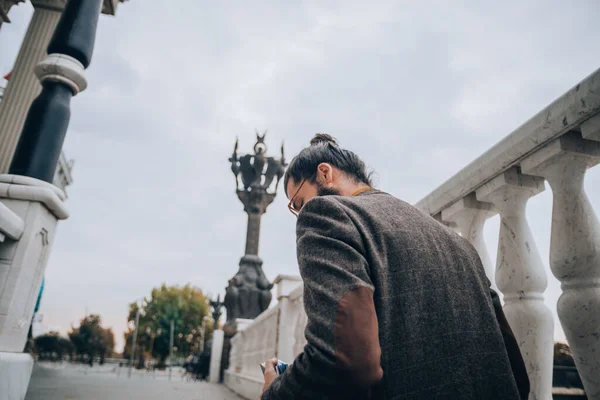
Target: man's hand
point(270, 373)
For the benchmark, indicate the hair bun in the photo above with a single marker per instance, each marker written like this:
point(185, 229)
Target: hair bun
point(322, 138)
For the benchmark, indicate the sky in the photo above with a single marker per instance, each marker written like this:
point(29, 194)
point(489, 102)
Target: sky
point(417, 89)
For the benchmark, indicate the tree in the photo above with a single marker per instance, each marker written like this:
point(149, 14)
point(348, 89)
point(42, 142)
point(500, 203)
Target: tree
point(91, 340)
point(186, 306)
point(52, 346)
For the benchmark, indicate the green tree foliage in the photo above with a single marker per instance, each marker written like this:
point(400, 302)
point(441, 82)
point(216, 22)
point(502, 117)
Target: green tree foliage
point(52, 346)
point(186, 306)
point(91, 340)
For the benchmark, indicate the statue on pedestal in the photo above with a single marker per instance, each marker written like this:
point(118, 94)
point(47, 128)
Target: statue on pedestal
point(249, 291)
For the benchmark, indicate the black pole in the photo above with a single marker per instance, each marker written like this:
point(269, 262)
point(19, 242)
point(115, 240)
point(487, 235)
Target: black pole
point(48, 118)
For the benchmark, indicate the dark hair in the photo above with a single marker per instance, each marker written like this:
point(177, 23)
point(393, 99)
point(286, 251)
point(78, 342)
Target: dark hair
point(325, 149)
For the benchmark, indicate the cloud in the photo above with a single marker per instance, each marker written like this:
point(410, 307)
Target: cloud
point(418, 89)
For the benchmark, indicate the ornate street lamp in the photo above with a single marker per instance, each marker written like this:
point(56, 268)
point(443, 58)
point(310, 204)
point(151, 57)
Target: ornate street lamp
point(249, 291)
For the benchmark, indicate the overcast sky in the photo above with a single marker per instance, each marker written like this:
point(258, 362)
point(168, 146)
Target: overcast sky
point(418, 89)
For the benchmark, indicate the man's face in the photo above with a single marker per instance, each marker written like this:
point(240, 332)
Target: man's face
point(305, 190)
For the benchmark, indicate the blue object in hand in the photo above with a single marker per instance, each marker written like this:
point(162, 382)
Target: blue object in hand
point(279, 368)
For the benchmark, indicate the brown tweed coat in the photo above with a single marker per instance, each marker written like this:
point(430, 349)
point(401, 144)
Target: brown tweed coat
point(398, 307)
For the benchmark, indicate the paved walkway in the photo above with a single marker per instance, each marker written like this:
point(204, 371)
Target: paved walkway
point(69, 382)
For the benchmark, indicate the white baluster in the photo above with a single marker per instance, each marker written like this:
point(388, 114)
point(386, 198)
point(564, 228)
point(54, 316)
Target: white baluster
point(574, 248)
point(470, 215)
point(521, 277)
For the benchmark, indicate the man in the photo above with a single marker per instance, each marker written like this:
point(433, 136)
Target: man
point(398, 305)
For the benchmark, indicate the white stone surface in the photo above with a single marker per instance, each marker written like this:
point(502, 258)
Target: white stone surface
point(286, 284)
point(470, 215)
point(564, 114)
point(50, 196)
point(11, 225)
point(247, 387)
point(242, 323)
point(216, 352)
point(301, 319)
point(22, 265)
point(62, 68)
point(15, 372)
point(590, 129)
point(520, 276)
point(574, 248)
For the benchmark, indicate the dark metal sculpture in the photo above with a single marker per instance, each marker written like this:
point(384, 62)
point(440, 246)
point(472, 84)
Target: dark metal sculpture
point(249, 291)
point(62, 76)
point(216, 305)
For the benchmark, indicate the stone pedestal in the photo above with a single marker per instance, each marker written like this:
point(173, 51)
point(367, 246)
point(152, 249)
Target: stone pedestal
point(15, 371)
point(22, 263)
point(215, 358)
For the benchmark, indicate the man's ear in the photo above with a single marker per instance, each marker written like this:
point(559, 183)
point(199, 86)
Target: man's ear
point(325, 172)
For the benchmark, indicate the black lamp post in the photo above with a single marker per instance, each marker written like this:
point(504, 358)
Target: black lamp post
point(62, 77)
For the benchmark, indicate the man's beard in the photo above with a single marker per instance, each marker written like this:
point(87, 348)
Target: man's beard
point(325, 191)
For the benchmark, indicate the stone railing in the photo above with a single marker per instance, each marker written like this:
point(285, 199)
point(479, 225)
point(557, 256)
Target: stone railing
point(557, 145)
point(273, 333)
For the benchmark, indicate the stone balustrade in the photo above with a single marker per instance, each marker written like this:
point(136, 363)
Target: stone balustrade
point(557, 145)
point(273, 333)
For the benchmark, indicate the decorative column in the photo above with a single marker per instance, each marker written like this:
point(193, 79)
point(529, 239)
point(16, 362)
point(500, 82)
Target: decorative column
point(470, 215)
point(28, 193)
point(23, 85)
point(574, 248)
point(520, 276)
point(249, 291)
point(62, 76)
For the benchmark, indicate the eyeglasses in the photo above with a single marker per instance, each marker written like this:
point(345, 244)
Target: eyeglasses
point(291, 206)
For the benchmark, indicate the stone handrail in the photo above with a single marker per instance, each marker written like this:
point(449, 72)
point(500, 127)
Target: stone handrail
point(557, 145)
point(569, 112)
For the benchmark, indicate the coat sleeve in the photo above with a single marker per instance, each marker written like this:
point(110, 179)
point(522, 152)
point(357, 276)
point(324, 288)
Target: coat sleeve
point(342, 357)
point(512, 348)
